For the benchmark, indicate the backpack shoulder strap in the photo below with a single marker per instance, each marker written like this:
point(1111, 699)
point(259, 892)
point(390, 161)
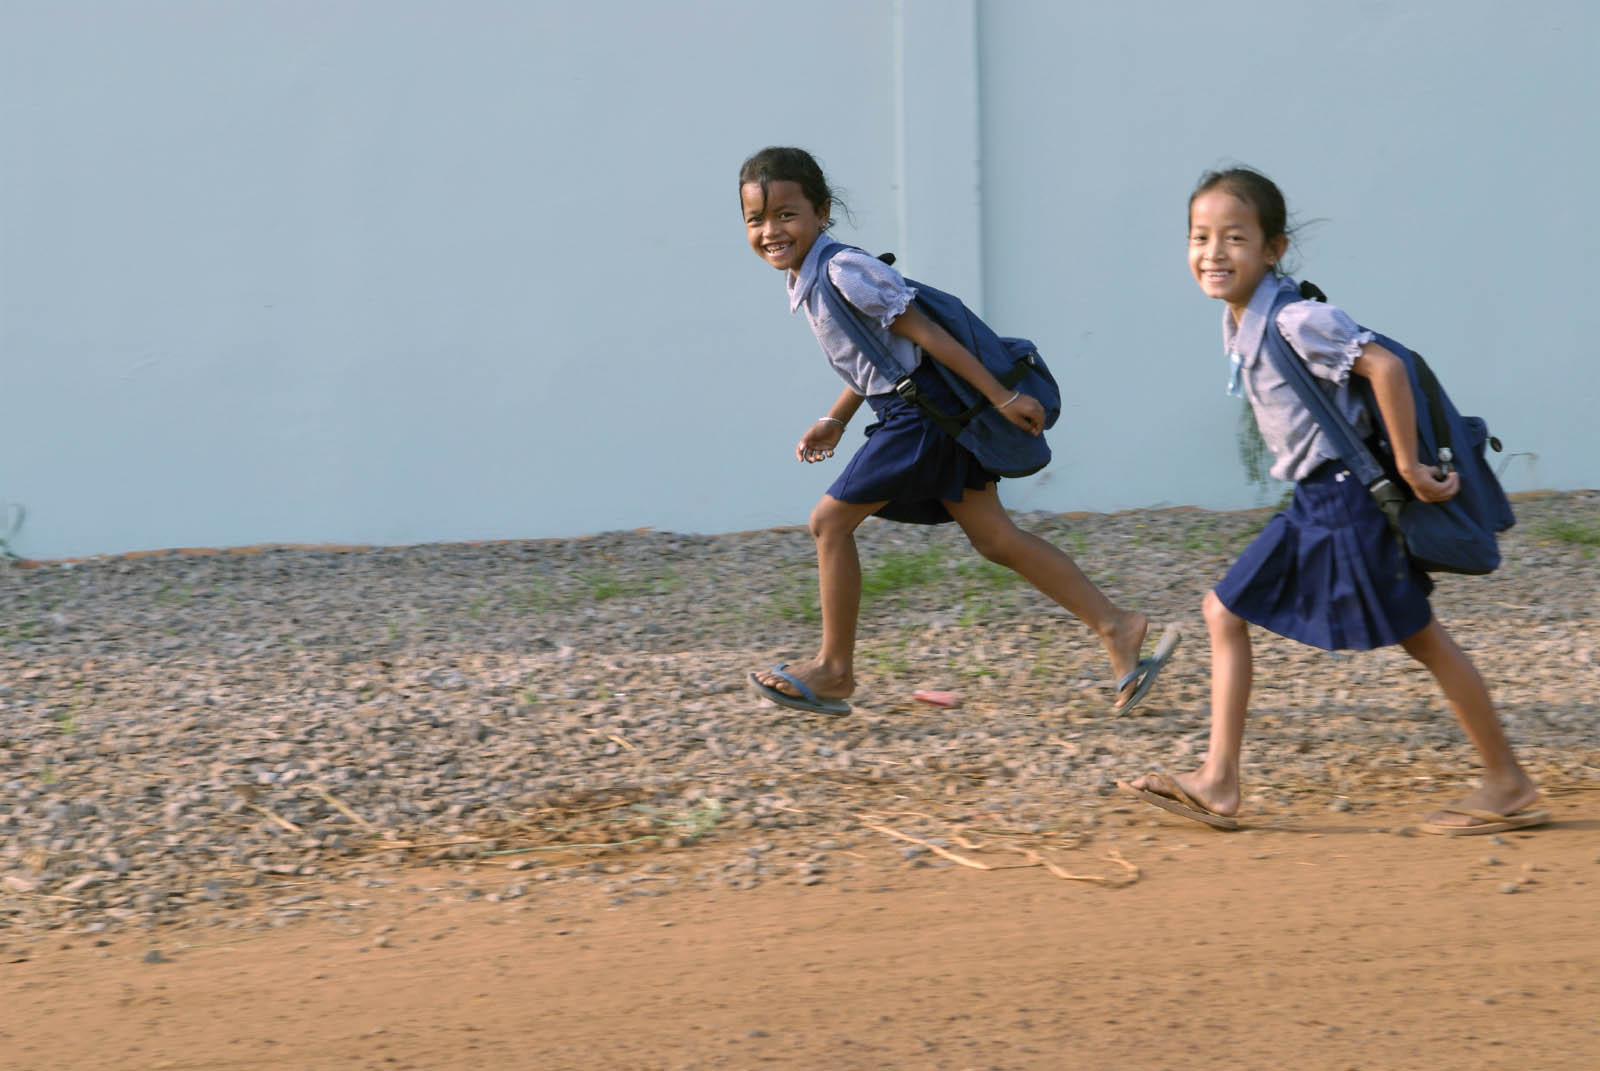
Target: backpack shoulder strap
point(849, 320)
point(1352, 451)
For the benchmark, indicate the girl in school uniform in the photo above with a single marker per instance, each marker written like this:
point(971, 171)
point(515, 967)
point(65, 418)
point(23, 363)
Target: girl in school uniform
point(908, 470)
point(1327, 571)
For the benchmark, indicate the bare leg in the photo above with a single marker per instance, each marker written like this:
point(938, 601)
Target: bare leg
point(1216, 782)
point(831, 674)
point(1053, 572)
point(1506, 787)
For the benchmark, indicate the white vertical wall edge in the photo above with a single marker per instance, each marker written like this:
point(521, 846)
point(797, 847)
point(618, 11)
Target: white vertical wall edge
point(937, 145)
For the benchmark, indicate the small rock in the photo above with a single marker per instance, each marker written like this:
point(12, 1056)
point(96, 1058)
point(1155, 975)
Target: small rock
point(1509, 887)
point(155, 956)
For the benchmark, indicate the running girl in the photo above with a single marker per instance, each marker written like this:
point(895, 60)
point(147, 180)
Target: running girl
point(1327, 571)
point(908, 470)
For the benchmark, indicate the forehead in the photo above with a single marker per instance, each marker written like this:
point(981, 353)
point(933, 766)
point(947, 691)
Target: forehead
point(1219, 208)
point(780, 193)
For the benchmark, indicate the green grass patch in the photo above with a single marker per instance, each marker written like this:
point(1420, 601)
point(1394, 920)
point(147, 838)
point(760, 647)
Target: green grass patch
point(976, 607)
point(986, 574)
point(794, 597)
point(603, 584)
point(1582, 533)
point(179, 598)
point(1045, 665)
point(537, 598)
point(903, 570)
point(887, 660)
point(542, 595)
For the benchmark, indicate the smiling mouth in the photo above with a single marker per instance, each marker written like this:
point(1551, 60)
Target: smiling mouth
point(775, 250)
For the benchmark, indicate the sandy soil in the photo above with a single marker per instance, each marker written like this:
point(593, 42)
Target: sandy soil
point(1304, 942)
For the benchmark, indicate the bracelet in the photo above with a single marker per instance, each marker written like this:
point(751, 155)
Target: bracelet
point(1014, 396)
point(830, 419)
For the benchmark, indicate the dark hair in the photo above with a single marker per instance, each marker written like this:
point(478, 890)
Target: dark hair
point(782, 163)
point(1255, 190)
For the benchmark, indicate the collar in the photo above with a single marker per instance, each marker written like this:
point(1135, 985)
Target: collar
point(1245, 337)
point(801, 282)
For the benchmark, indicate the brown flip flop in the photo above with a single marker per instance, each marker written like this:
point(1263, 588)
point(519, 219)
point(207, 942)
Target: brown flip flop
point(1173, 798)
point(1487, 822)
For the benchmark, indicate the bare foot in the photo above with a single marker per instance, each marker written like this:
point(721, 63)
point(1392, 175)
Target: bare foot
point(1122, 642)
point(824, 682)
point(1215, 796)
point(1507, 798)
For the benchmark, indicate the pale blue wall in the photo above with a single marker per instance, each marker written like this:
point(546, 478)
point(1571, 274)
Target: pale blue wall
point(406, 270)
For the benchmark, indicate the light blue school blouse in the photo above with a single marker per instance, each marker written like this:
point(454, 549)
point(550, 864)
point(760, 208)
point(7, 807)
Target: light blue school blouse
point(1329, 342)
point(871, 286)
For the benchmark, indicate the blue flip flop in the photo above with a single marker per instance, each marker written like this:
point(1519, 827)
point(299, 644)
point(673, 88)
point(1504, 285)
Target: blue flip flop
point(1147, 669)
point(807, 699)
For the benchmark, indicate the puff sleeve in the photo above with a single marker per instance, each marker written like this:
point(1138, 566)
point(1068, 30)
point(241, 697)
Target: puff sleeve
point(1324, 336)
point(871, 286)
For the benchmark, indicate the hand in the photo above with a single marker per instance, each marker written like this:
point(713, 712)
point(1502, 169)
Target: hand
point(818, 442)
point(1026, 413)
point(1429, 485)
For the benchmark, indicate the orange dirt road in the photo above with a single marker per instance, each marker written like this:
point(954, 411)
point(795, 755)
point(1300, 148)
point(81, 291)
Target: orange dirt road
point(1316, 946)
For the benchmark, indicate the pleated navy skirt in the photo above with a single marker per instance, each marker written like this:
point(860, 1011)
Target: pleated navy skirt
point(909, 463)
point(1328, 572)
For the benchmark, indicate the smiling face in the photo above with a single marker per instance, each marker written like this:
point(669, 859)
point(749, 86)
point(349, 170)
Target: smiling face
point(1228, 251)
point(781, 224)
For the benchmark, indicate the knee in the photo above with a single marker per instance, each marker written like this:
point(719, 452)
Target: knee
point(998, 545)
point(1219, 617)
point(826, 523)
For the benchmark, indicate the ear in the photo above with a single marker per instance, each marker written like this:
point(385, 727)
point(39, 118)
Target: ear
point(1276, 249)
point(825, 213)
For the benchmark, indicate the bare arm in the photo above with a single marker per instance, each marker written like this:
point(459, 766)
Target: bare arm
point(1392, 388)
point(1025, 412)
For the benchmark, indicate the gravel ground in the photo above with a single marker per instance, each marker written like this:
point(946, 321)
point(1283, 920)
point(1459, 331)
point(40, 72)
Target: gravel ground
point(219, 736)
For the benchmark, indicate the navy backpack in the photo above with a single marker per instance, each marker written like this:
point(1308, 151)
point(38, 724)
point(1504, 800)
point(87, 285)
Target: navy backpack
point(1455, 536)
point(999, 445)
